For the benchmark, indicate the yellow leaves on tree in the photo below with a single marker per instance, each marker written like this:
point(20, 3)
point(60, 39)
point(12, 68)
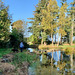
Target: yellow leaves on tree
point(18, 25)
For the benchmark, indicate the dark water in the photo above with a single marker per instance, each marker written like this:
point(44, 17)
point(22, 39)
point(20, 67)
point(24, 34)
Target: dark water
point(0, 73)
point(54, 63)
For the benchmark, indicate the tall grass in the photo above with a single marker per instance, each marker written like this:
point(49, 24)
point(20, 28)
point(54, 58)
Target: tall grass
point(4, 51)
point(20, 57)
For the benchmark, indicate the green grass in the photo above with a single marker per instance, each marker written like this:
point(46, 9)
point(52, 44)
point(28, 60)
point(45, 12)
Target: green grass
point(4, 51)
point(65, 46)
point(21, 57)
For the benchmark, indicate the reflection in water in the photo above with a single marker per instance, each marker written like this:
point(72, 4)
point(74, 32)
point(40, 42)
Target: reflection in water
point(30, 49)
point(54, 63)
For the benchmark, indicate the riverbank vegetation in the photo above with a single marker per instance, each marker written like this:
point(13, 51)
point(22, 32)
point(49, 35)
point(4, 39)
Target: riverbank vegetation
point(24, 56)
point(18, 57)
point(16, 63)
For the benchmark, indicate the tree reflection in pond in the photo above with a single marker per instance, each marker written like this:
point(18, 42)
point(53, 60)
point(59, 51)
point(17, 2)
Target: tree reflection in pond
point(56, 63)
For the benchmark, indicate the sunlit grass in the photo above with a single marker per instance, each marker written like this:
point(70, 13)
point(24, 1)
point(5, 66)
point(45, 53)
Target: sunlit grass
point(60, 47)
point(48, 47)
point(65, 46)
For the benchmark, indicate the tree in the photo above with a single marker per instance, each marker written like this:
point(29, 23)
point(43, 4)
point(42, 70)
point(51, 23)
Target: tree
point(49, 17)
point(5, 22)
point(62, 20)
point(44, 37)
point(18, 25)
point(18, 34)
point(15, 38)
point(36, 28)
point(72, 12)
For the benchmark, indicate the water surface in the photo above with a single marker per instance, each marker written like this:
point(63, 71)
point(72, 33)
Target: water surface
point(54, 63)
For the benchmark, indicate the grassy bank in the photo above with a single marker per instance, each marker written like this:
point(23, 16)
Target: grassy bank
point(19, 62)
point(43, 47)
point(4, 51)
point(24, 56)
point(18, 57)
point(65, 46)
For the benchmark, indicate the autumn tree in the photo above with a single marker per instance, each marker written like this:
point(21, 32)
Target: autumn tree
point(49, 18)
point(62, 20)
point(72, 12)
point(36, 28)
point(18, 25)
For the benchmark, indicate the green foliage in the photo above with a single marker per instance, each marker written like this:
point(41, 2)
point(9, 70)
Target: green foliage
point(5, 22)
point(20, 57)
point(33, 39)
point(4, 51)
point(15, 38)
point(44, 36)
point(74, 41)
point(18, 25)
point(36, 21)
point(62, 19)
point(51, 19)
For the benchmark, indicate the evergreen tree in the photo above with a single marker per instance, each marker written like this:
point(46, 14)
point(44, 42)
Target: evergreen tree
point(5, 22)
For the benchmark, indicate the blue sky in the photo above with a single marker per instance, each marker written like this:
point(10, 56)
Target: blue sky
point(23, 9)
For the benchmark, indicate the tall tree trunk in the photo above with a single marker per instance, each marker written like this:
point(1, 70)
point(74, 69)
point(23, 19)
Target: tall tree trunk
point(72, 30)
point(71, 35)
point(42, 42)
point(61, 40)
point(52, 39)
point(71, 58)
point(55, 38)
point(58, 41)
point(52, 58)
point(61, 57)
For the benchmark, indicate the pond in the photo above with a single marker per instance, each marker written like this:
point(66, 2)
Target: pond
point(53, 63)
